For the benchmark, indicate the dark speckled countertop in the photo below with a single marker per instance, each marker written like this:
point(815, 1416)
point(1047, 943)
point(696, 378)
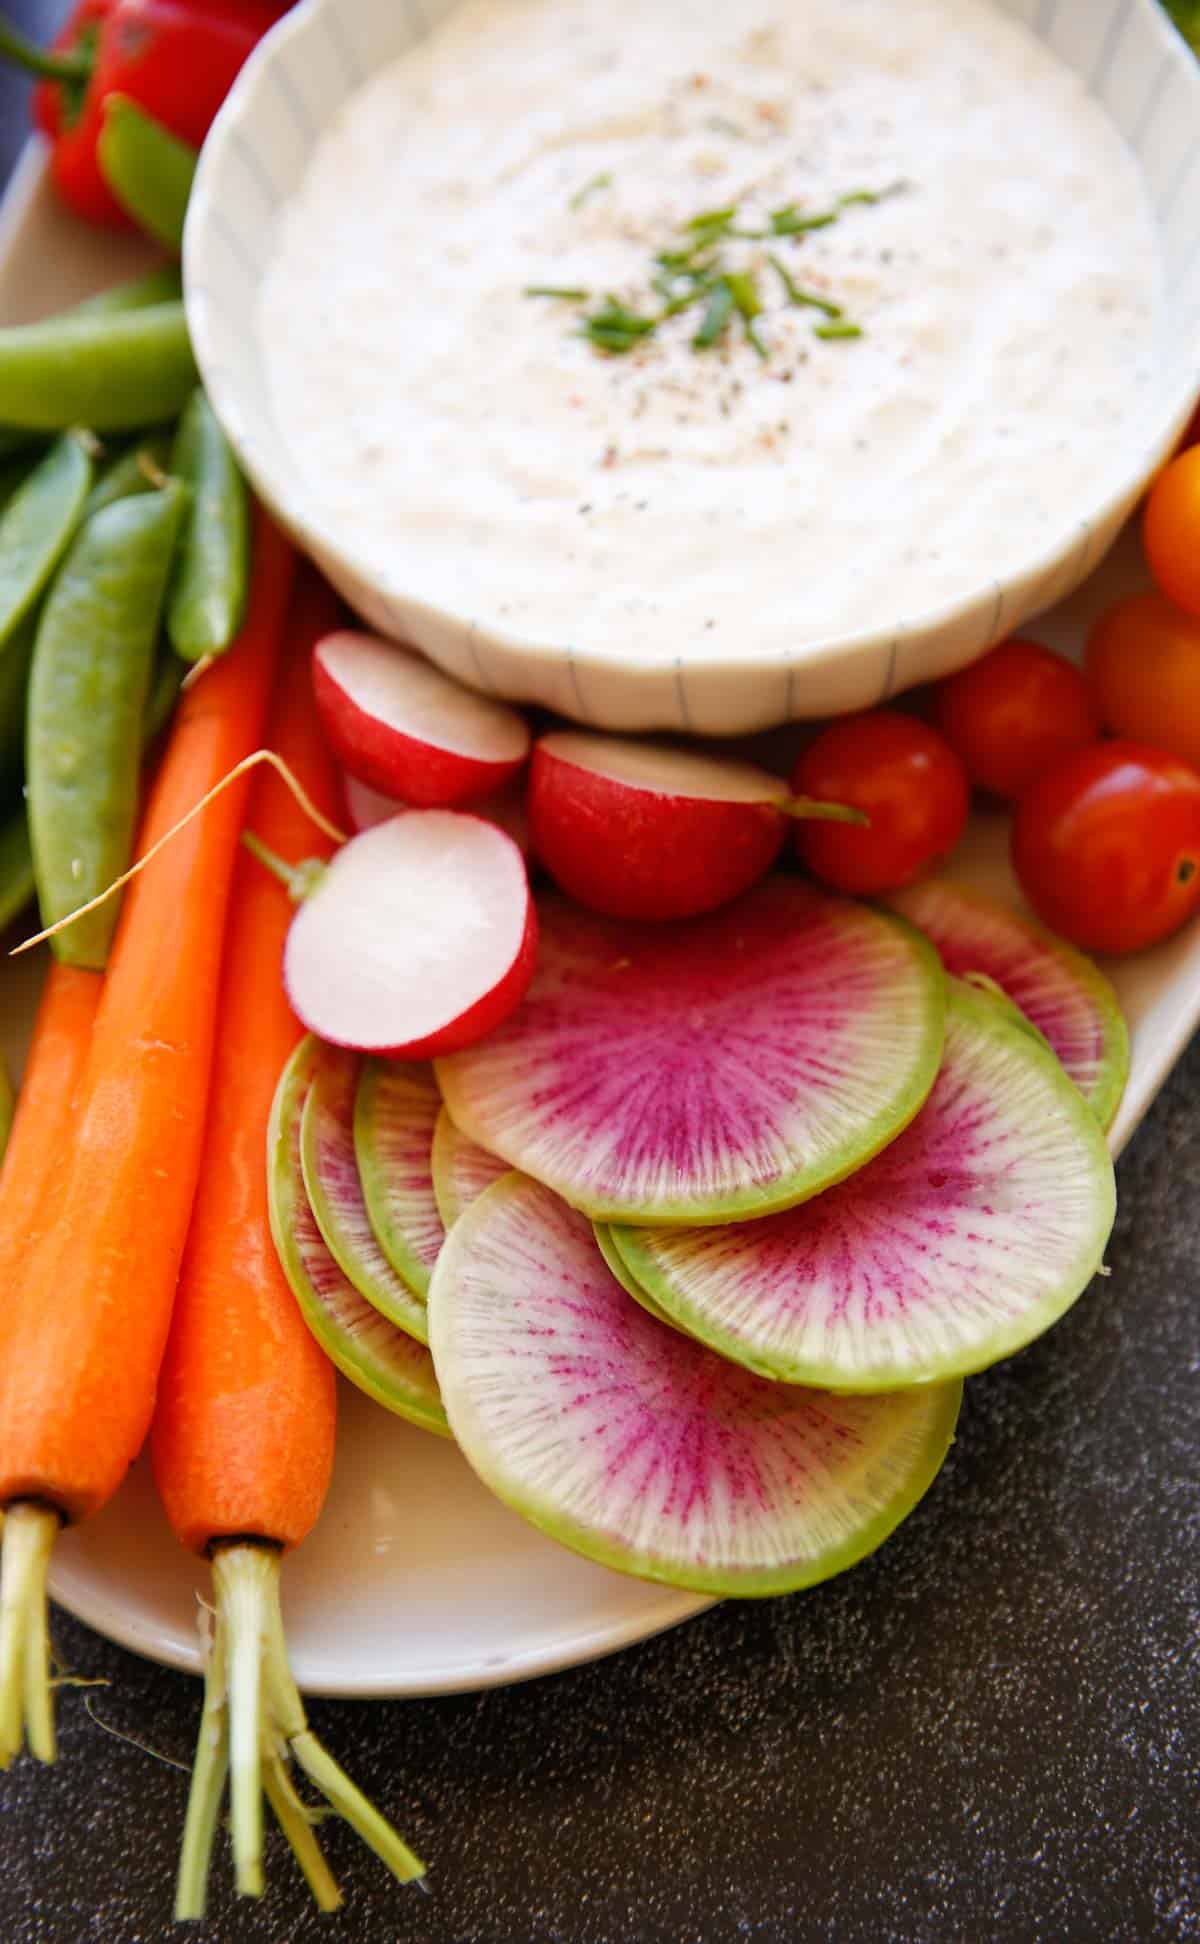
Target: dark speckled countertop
point(991, 1730)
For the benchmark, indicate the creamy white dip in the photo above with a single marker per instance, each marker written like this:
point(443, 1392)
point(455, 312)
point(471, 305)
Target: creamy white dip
point(465, 440)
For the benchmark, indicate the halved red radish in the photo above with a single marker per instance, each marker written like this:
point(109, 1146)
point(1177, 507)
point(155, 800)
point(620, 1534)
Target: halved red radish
point(418, 938)
point(646, 830)
point(401, 725)
point(505, 808)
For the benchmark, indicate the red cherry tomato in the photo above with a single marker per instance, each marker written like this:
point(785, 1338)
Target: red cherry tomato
point(1013, 713)
point(1107, 846)
point(1171, 530)
point(911, 785)
point(1143, 662)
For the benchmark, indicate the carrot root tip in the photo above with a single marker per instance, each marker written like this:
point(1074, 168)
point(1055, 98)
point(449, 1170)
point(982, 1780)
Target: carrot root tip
point(252, 1725)
point(26, 1698)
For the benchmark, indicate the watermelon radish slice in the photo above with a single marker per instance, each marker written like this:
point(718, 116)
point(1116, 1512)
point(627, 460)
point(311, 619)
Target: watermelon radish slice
point(462, 1170)
point(619, 1268)
point(1063, 993)
point(401, 725)
point(386, 1363)
point(335, 1194)
point(636, 1446)
point(710, 1070)
point(394, 1117)
point(960, 1243)
point(416, 938)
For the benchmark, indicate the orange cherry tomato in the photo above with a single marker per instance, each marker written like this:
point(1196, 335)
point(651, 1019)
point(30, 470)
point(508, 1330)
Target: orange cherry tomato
point(1143, 662)
point(1013, 713)
point(1107, 846)
point(1171, 530)
point(911, 785)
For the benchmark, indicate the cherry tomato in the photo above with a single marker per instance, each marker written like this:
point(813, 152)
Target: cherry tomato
point(1107, 846)
point(909, 782)
point(1171, 530)
point(1143, 662)
point(1013, 713)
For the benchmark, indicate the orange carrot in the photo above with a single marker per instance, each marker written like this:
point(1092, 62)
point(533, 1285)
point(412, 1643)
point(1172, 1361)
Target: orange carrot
point(244, 1424)
point(83, 1329)
point(244, 1427)
point(41, 1129)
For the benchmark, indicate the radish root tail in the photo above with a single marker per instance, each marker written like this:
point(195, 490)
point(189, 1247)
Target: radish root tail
point(26, 1698)
point(239, 770)
point(252, 1727)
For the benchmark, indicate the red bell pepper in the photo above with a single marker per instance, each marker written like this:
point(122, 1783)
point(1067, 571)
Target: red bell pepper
point(177, 59)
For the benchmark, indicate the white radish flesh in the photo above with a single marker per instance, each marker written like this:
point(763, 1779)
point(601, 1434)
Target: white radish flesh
point(418, 938)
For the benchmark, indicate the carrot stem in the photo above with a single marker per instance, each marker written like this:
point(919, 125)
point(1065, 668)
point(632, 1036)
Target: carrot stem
point(242, 1576)
point(296, 1822)
point(265, 1720)
point(353, 1806)
point(25, 1706)
point(209, 1774)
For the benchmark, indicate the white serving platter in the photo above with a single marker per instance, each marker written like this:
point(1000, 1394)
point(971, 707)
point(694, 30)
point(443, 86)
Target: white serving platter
point(416, 1581)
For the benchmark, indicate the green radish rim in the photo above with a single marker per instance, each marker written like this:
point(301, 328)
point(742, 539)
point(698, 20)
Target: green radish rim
point(625, 1276)
point(1104, 1086)
point(360, 1257)
point(921, 1420)
point(396, 1237)
point(647, 1254)
point(479, 1084)
point(391, 1369)
point(457, 1161)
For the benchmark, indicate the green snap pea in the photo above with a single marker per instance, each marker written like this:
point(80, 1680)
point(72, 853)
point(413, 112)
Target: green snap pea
point(148, 169)
point(208, 590)
point(138, 469)
point(161, 286)
point(88, 689)
point(15, 662)
point(16, 867)
point(36, 528)
point(113, 371)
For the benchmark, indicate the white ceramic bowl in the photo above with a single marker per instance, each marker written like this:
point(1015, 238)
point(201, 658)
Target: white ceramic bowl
point(1134, 63)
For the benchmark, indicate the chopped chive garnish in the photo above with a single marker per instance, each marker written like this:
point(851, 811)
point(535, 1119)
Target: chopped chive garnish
point(794, 222)
point(871, 196)
point(797, 293)
point(744, 291)
point(615, 327)
point(597, 182)
point(710, 221)
point(715, 321)
point(696, 270)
